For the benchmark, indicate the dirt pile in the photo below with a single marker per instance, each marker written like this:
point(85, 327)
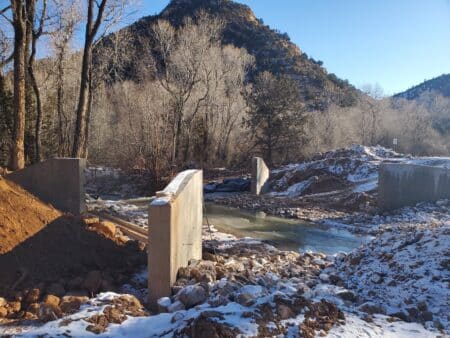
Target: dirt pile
point(55, 254)
point(21, 215)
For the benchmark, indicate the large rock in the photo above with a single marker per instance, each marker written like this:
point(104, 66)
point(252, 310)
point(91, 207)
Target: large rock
point(193, 295)
point(49, 309)
point(71, 304)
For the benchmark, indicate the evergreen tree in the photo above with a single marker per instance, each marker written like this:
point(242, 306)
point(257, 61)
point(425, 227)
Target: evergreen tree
point(276, 115)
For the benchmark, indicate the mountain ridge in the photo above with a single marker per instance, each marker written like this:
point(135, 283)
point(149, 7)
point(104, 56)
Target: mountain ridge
point(273, 50)
point(440, 85)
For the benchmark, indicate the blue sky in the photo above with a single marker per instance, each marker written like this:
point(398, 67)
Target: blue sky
point(393, 43)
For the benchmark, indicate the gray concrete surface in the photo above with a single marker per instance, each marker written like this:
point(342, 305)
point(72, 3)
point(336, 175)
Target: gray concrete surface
point(260, 176)
point(57, 181)
point(408, 184)
point(175, 232)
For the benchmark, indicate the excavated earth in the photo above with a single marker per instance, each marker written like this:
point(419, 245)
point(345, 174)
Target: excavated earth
point(45, 254)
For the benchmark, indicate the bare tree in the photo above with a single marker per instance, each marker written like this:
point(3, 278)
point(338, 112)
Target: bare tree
point(108, 12)
point(18, 21)
point(36, 33)
point(92, 27)
point(68, 16)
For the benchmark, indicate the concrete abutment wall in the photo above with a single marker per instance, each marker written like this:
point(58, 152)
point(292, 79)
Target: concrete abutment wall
point(260, 176)
point(408, 184)
point(175, 232)
point(57, 181)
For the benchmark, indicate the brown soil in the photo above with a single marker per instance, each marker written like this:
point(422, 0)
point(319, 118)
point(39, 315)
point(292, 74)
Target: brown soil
point(41, 246)
point(21, 215)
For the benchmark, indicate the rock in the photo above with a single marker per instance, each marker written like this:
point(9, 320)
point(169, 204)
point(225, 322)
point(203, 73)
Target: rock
point(347, 295)
point(52, 300)
point(245, 299)
point(193, 295)
point(3, 302)
point(33, 296)
point(371, 308)
point(29, 316)
point(284, 311)
point(3, 312)
point(176, 306)
point(355, 259)
point(49, 309)
point(422, 306)
point(14, 307)
point(426, 316)
point(163, 304)
point(93, 281)
point(71, 304)
point(234, 266)
point(114, 315)
point(105, 228)
point(209, 257)
point(56, 289)
point(184, 273)
point(336, 280)
point(324, 277)
point(33, 308)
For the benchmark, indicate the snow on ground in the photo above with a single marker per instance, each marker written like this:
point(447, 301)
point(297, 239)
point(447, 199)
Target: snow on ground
point(381, 326)
point(286, 299)
point(404, 272)
point(166, 324)
point(355, 164)
point(137, 214)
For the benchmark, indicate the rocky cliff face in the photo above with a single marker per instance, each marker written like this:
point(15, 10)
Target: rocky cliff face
point(273, 51)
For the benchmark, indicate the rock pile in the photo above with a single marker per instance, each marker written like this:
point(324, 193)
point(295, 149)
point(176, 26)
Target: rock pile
point(404, 272)
point(266, 284)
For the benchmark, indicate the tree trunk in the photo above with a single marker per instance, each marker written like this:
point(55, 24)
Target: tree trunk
point(81, 126)
point(79, 142)
point(17, 150)
point(62, 119)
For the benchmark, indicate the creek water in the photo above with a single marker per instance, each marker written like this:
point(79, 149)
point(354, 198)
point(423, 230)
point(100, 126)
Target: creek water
point(285, 234)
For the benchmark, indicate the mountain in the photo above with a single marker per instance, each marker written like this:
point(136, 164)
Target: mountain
point(439, 85)
point(434, 94)
point(273, 51)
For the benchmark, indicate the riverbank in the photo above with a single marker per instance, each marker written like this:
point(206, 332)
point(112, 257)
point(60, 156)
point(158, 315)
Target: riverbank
point(249, 288)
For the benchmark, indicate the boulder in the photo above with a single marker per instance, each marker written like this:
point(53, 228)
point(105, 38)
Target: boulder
point(193, 295)
point(71, 304)
point(245, 299)
point(33, 296)
point(49, 309)
point(33, 308)
point(284, 311)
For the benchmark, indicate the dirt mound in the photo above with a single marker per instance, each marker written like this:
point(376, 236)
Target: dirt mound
point(21, 215)
point(41, 247)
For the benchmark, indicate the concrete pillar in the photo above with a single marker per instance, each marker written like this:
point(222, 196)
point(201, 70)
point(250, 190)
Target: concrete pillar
point(57, 181)
point(260, 176)
point(175, 232)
